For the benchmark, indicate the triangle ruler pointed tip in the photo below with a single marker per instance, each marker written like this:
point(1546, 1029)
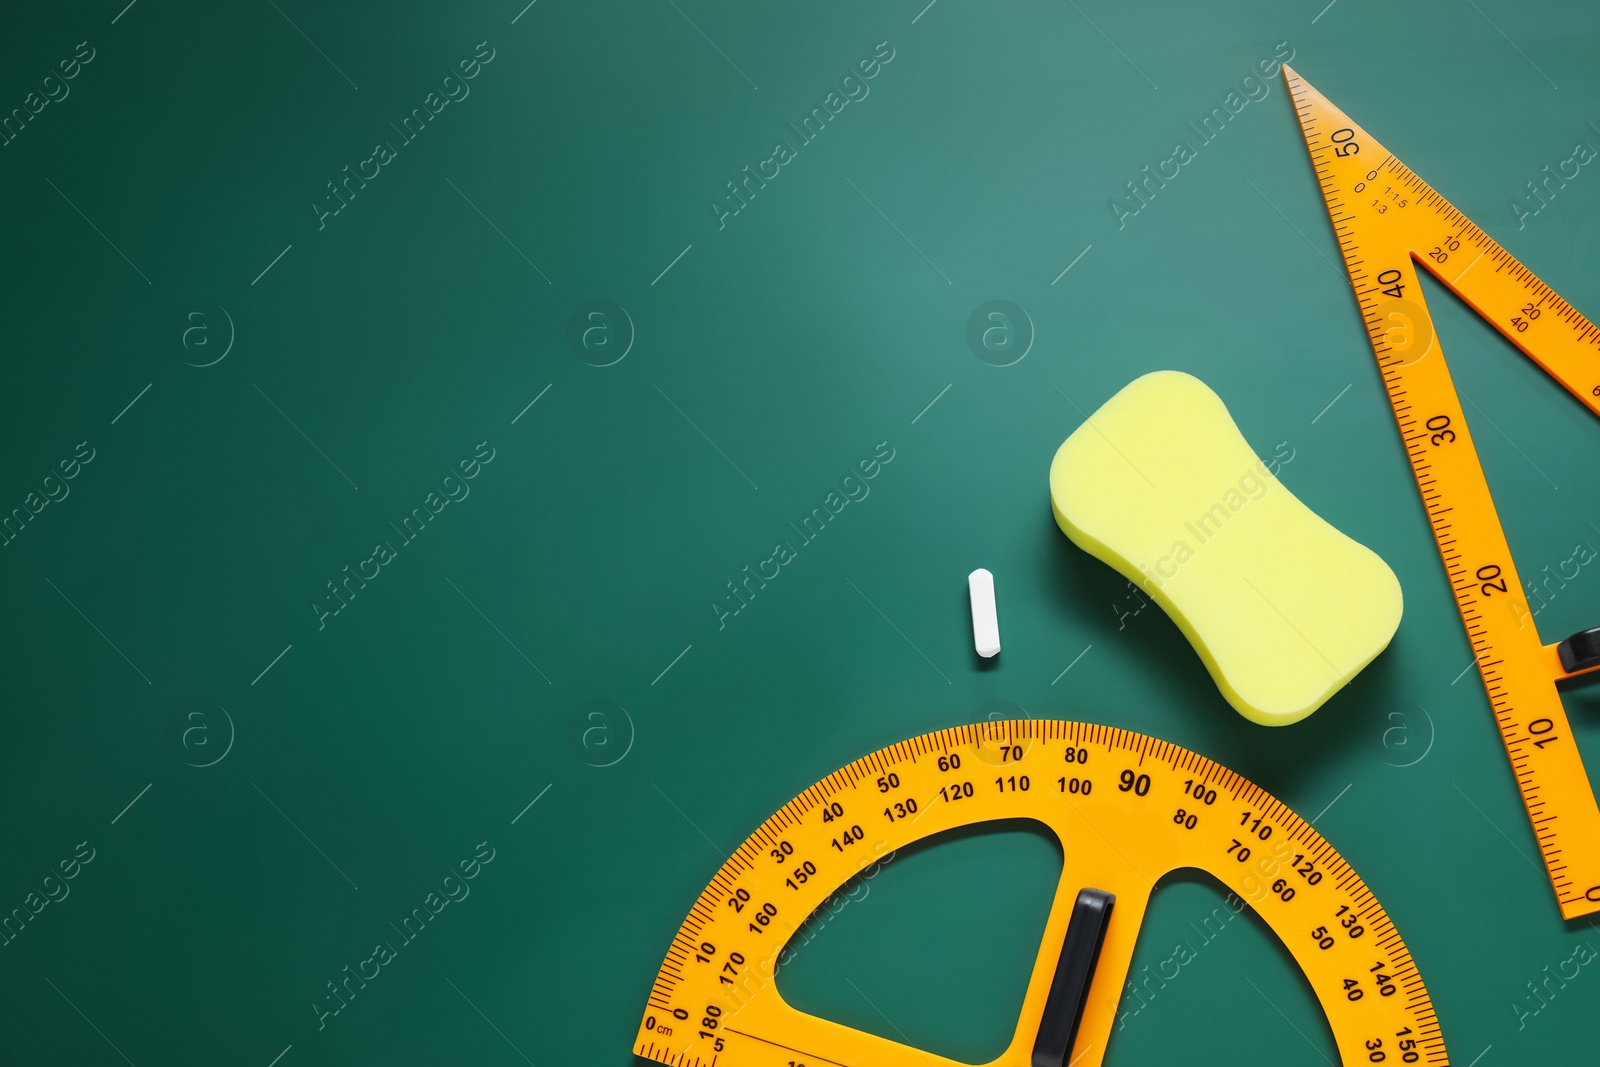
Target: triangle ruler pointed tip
point(1296, 83)
point(1334, 139)
point(1388, 222)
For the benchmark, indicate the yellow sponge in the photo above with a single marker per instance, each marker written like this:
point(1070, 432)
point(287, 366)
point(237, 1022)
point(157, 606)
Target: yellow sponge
point(1283, 608)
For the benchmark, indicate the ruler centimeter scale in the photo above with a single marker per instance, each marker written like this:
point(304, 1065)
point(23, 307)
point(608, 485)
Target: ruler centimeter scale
point(1127, 810)
point(1387, 221)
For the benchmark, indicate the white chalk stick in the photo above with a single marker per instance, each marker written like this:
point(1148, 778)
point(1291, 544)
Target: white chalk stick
point(985, 621)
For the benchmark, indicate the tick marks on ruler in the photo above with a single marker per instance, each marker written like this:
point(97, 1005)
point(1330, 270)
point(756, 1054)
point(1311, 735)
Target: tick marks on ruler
point(1518, 669)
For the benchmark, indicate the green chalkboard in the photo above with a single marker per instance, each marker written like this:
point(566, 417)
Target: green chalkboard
point(391, 392)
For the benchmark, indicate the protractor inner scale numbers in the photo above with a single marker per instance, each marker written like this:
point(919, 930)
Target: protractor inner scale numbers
point(1127, 809)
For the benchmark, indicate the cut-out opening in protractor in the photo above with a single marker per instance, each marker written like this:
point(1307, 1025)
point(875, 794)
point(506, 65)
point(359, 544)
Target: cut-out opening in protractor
point(1127, 809)
point(1207, 969)
point(932, 945)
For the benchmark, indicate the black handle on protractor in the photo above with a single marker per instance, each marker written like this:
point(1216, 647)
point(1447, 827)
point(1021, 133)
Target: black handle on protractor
point(1069, 990)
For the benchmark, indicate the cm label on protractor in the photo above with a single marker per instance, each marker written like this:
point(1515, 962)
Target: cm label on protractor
point(1387, 221)
point(1126, 808)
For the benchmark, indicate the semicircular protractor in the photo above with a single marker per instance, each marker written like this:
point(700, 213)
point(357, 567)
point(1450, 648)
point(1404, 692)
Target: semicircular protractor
point(1127, 810)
